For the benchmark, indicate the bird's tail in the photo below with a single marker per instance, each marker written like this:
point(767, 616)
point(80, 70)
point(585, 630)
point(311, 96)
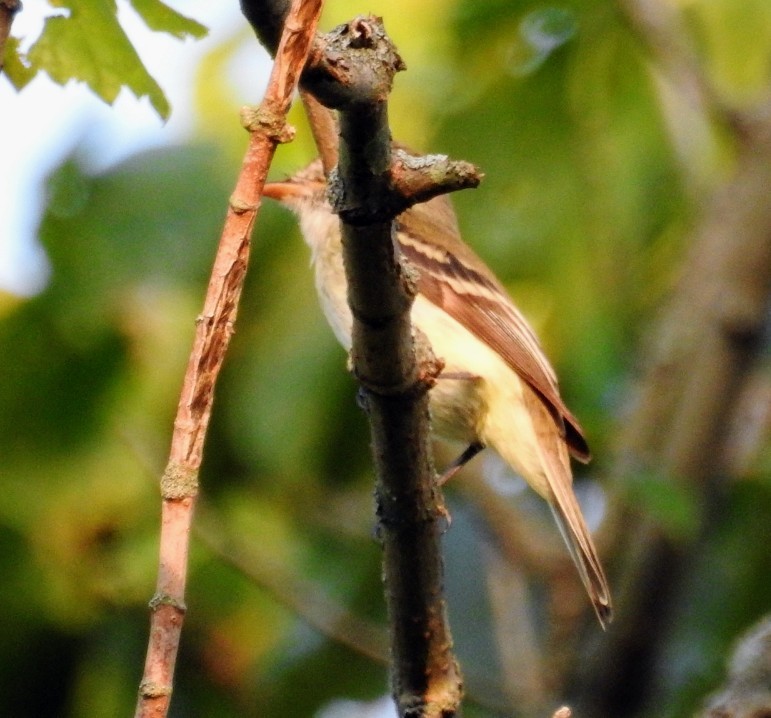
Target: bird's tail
point(555, 463)
point(581, 547)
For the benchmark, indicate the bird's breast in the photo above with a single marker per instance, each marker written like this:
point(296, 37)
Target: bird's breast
point(461, 398)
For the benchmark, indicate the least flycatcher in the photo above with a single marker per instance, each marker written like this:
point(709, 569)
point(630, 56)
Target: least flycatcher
point(497, 388)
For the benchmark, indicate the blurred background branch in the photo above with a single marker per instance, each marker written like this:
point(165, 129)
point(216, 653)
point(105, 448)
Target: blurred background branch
point(746, 692)
point(699, 356)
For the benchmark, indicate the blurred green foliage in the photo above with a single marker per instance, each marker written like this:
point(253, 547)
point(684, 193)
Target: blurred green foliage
point(86, 42)
point(584, 213)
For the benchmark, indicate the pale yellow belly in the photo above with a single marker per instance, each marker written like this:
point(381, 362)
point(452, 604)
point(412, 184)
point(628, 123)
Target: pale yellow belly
point(487, 406)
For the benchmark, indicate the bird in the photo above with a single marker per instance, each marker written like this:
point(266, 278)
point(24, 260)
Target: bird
point(497, 389)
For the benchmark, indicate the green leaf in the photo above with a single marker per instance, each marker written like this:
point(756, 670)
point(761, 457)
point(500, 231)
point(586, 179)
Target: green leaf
point(91, 46)
point(160, 17)
point(14, 67)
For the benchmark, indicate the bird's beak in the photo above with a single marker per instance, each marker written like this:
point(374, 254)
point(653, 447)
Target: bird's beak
point(289, 190)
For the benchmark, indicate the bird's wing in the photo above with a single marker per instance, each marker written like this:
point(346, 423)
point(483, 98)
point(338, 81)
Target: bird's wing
point(461, 284)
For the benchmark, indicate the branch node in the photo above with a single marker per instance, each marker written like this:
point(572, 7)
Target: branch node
point(164, 599)
point(241, 206)
point(410, 180)
point(409, 389)
point(430, 366)
point(151, 689)
point(392, 515)
point(272, 124)
point(293, 28)
point(179, 482)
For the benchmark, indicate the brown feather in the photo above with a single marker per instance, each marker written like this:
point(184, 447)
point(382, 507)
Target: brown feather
point(492, 319)
point(567, 512)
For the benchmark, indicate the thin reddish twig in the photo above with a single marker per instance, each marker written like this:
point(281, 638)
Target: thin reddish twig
point(214, 328)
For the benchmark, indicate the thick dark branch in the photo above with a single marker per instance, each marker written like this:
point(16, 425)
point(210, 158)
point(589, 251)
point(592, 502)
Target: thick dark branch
point(267, 19)
point(351, 70)
point(394, 370)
